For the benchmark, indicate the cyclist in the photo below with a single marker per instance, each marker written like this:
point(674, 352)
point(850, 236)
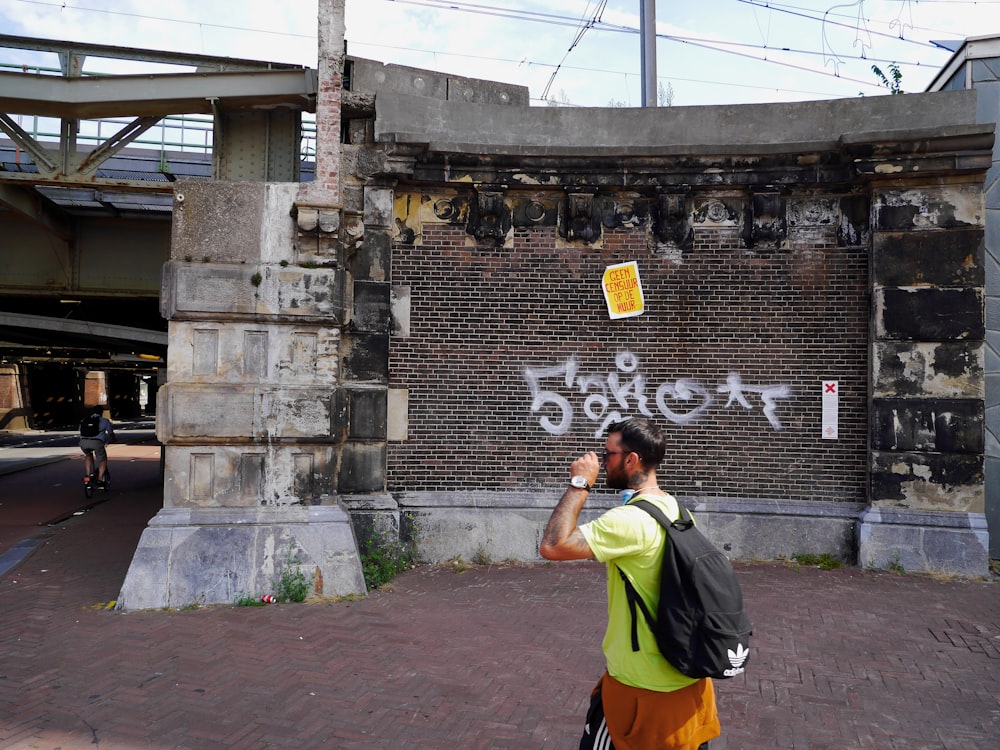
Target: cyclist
point(96, 431)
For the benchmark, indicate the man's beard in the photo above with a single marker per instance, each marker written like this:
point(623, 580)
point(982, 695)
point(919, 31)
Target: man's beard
point(616, 481)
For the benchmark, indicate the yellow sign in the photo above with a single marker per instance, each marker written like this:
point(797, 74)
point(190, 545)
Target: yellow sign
point(623, 290)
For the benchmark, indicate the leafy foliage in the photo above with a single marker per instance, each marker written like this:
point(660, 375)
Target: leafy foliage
point(292, 585)
point(895, 85)
point(383, 560)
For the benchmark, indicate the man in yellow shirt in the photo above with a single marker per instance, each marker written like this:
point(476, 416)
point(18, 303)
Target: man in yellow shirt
point(642, 702)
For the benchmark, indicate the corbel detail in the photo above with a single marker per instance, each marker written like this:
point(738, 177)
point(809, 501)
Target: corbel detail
point(765, 222)
point(581, 222)
point(322, 218)
point(489, 217)
point(672, 226)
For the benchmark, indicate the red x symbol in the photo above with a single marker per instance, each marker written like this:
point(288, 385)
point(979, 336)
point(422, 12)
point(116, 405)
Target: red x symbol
point(830, 388)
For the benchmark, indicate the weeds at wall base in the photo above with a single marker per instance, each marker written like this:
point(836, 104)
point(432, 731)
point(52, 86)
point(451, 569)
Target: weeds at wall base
point(381, 562)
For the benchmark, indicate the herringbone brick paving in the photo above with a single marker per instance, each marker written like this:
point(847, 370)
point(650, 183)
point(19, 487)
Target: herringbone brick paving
point(490, 658)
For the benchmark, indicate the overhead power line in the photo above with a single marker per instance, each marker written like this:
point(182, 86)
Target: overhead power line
point(590, 21)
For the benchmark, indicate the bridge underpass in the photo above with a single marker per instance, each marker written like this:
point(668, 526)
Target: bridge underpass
point(86, 202)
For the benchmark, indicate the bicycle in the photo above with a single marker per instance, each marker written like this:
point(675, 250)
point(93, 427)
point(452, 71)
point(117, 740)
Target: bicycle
point(91, 482)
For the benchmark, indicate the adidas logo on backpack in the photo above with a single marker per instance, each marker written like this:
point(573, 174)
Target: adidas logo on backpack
point(700, 625)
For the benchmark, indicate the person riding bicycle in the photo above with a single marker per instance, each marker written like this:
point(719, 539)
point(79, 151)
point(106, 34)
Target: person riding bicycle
point(96, 431)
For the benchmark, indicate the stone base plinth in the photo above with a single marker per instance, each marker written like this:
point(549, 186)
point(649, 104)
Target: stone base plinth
point(197, 556)
point(761, 529)
point(924, 541)
point(498, 526)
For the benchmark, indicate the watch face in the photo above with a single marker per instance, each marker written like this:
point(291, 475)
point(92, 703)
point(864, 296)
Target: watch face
point(579, 481)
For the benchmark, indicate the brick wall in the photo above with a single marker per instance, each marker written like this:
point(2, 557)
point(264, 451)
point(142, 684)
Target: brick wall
point(722, 323)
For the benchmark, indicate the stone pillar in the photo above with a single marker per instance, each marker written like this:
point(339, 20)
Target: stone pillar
point(95, 388)
point(253, 417)
point(13, 412)
point(268, 416)
point(928, 385)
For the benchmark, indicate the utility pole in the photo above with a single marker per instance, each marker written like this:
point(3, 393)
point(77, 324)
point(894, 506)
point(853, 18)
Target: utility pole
point(647, 32)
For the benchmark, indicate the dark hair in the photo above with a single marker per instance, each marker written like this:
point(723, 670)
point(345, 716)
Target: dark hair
point(643, 437)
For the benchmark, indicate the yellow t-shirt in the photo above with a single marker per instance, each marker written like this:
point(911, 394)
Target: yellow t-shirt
point(631, 539)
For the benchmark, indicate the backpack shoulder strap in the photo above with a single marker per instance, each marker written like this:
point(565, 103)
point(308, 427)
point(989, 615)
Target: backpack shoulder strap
point(634, 600)
point(684, 519)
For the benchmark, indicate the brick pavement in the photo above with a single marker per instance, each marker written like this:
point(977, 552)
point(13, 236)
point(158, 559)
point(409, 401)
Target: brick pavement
point(492, 658)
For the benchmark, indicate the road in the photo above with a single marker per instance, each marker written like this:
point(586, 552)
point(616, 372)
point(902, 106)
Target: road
point(41, 478)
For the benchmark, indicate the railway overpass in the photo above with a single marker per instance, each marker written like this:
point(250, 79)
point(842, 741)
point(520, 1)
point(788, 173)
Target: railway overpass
point(85, 207)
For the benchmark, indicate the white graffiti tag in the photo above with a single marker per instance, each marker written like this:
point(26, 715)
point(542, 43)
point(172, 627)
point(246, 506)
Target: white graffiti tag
point(607, 397)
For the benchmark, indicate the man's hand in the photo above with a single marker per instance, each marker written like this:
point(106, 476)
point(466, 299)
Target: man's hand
point(588, 465)
point(563, 539)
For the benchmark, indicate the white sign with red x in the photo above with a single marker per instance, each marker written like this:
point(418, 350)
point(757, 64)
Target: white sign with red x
point(831, 398)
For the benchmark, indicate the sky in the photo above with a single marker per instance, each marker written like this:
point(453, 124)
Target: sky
point(568, 52)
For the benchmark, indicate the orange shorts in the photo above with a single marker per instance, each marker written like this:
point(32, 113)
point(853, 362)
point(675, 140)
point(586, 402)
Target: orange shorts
point(643, 719)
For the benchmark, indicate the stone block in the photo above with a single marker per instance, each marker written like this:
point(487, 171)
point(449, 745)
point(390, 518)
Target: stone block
point(924, 542)
point(367, 413)
point(929, 314)
point(186, 556)
point(362, 468)
point(210, 291)
point(929, 207)
point(372, 307)
point(941, 369)
point(378, 207)
point(954, 258)
point(217, 220)
point(251, 475)
point(375, 518)
point(190, 289)
point(365, 357)
point(940, 425)
point(221, 412)
point(748, 529)
point(373, 259)
point(927, 481)
point(242, 352)
point(398, 414)
point(200, 412)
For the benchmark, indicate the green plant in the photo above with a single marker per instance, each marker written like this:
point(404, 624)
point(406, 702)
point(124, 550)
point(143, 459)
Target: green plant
point(256, 279)
point(894, 564)
point(246, 600)
point(895, 85)
point(382, 560)
point(291, 584)
point(481, 557)
point(824, 561)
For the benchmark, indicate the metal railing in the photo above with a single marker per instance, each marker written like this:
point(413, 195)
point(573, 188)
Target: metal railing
point(175, 133)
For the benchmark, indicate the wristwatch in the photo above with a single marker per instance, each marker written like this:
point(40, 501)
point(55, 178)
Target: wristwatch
point(580, 483)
